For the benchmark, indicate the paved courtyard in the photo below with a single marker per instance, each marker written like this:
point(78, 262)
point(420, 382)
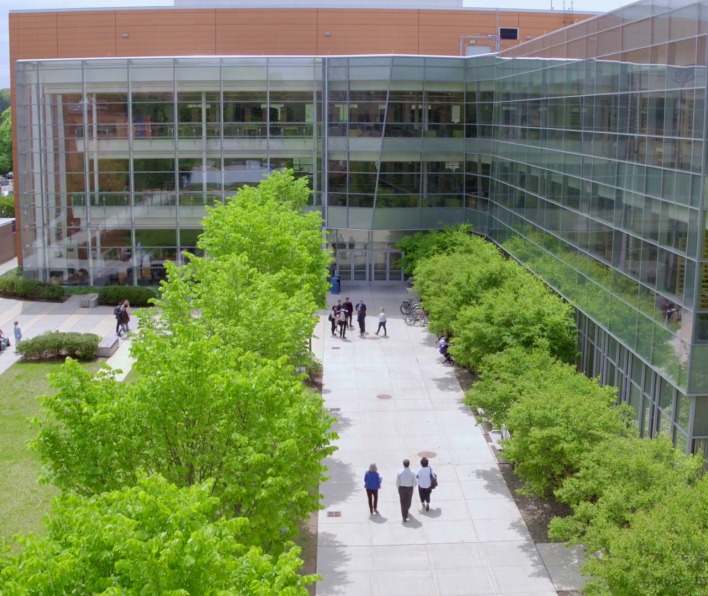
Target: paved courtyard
point(394, 399)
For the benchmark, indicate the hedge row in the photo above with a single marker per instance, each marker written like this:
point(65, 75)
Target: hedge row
point(13, 285)
point(569, 436)
point(54, 345)
point(136, 295)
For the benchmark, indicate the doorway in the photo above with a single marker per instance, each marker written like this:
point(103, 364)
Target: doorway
point(369, 265)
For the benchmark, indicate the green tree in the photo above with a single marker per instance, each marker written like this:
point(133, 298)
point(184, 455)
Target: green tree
point(217, 396)
point(267, 225)
point(555, 426)
point(202, 409)
point(661, 553)
point(521, 312)
point(4, 99)
point(89, 437)
point(423, 245)
point(449, 282)
point(617, 478)
point(6, 141)
point(153, 538)
point(246, 307)
point(505, 377)
point(7, 205)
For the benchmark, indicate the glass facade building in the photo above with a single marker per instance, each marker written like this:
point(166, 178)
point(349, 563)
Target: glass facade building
point(581, 153)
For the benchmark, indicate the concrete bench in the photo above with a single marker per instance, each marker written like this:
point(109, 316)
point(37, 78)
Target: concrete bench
point(89, 301)
point(108, 346)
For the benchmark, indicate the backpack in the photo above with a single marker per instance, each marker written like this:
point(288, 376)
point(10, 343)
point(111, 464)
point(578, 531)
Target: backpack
point(117, 310)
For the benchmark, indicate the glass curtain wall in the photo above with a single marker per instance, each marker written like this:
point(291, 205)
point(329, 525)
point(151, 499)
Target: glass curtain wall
point(119, 158)
point(598, 187)
point(582, 153)
point(395, 146)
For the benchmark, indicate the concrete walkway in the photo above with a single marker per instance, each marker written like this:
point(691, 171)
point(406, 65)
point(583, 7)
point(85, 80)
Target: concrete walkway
point(394, 399)
point(37, 317)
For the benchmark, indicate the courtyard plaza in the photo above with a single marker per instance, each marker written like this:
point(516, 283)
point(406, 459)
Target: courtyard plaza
point(393, 398)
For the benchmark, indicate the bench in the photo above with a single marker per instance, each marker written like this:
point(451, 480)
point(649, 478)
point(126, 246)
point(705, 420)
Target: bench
point(89, 301)
point(108, 346)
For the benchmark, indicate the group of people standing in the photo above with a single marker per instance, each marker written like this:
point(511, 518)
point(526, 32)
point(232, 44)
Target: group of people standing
point(406, 481)
point(340, 317)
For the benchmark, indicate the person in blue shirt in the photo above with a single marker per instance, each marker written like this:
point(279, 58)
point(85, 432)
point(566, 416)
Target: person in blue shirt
point(372, 484)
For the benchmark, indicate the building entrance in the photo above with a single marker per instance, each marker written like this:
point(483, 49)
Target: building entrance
point(369, 265)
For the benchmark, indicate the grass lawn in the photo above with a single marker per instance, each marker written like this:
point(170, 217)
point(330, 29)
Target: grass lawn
point(23, 500)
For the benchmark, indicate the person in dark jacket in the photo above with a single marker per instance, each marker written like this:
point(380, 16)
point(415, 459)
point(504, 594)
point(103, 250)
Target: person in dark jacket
point(361, 319)
point(118, 314)
point(372, 484)
point(350, 309)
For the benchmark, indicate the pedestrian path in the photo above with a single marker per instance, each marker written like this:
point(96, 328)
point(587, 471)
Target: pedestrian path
point(36, 318)
point(394, 399)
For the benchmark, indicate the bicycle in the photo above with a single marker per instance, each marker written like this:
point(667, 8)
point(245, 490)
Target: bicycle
point(407, 306)
point(418, 317)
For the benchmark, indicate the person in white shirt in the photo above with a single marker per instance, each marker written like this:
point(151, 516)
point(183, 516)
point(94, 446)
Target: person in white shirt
point(382, 322)
point(424, 477)
point(405, 482)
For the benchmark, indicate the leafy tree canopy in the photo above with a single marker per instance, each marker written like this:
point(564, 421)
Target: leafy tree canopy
point(505, 377)
point(661, 553)
point(617, 478)
point(6, 141)
point(7, 205)
point(4, 99)
point(152, 538)
point(218, 396)
point(267, 226)
point(521, 312)
point(244, 306)
point(556, 425)
point(422, 245)
point(251, 426)
point(448, 282)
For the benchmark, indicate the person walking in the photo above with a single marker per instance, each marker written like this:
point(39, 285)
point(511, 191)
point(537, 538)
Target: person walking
point(382, 322)
point(405, 483)
point(118, 314)
point(333, 320)
point(350, 309)
point(361, 319)
point(372, 484)
point(425, 483)
point(342, 320)
point(125, 317)
point(18, 335)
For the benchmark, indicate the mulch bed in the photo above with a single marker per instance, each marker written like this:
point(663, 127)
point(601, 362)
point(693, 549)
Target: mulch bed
point(537, 512)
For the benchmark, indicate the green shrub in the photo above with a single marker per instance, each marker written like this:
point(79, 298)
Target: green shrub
point(13, 285)
point(136, 295)
point(54, 345)
point(52, 292)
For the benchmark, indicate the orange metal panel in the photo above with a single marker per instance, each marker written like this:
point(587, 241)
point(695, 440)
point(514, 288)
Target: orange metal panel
point(264, 31)
point(305, 16)
point(164, 18)
point(32, 20)
point(367, 17)
point(86, 18)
